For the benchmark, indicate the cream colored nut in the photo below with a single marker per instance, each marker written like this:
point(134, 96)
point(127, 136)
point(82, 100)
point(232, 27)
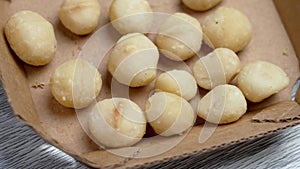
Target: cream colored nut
point(130, 16)
point(224, 104)
point(179, 37)
point(169, 114)
point(75, 83)
point(201, 5)
point(133, 61)
point(218, 67)
point(31, 37)
point(260, 79)
point(228, 28)
point(80, 16)
point(117, 122)
point(178, 82)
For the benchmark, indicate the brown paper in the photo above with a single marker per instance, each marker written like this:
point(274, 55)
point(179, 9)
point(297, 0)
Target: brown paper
point(60, 126)
point(289, 12)
point(279, 113)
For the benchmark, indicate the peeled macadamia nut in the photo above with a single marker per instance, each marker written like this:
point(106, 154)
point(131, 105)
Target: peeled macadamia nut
point(259, 80)
point(179, 37)
point(228, 28)
point(218, 67)
point(178, 82)
point(80, 16)
point(31, 37)
point(75, 83)
point(117, 122)
point(130, 16)
point(224, 104)
point(133, 60)
point(169, 114)
point(201, 5)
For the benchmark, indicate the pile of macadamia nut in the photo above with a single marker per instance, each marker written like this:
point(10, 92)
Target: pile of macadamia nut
point(133, 61)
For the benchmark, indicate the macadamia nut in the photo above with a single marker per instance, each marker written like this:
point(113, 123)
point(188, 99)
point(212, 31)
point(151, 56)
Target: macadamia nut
point(178, 82)
point(179, 37)
point(130, 16)
point(31, 37)
point(133, 60)
point(218, 67)
point(227, 28)
point(169, 114)
point(117, 122)
point(75, 83)
point(80, 16)
point(223, 104)
point(260, 79)
point(201, 5)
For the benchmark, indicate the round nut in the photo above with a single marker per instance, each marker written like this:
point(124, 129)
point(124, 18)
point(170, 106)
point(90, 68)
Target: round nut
point(223, 104)
point(178, 82)
point(130, 16)
point(218, 67)
point(117, 122)
point(75, 83)
point(201, 5)
point(259, 80)
point(31, 37)
point(133, 61)
point(179, 37)
point(80, 16)
point(227, 28)
point(169, 114)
